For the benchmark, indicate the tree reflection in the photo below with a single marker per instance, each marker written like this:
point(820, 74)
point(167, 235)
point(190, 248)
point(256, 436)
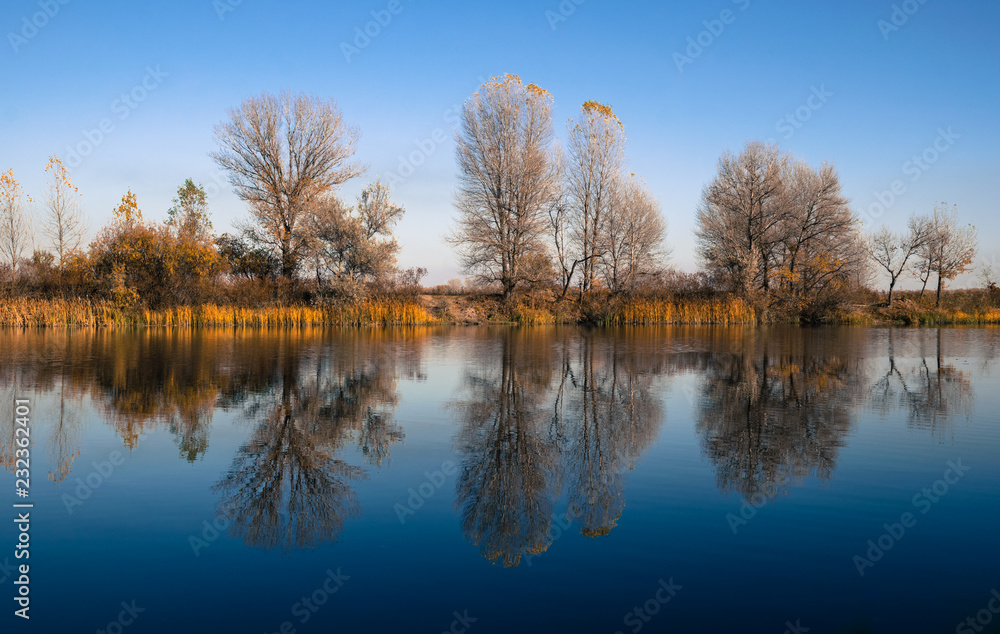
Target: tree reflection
point(772, 410)
point(285, 488)
point(313, 398)
point(525, 438)
point(507, 482)
point(288, 487)
point(613, 419)
point(931, 392)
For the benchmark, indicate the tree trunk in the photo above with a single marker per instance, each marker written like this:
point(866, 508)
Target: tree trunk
point(939, 289)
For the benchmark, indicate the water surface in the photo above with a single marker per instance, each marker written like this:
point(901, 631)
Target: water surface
point(672, 479)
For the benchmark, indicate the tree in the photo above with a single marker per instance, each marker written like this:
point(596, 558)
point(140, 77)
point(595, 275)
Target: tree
point(356, 245)
point(189, 214)
point(142, 263)
point(739, 215)
point(63, 225)
point(246, 259)
point(780, 232)
point(284, 154)
point(15, 233)
point(893, 252)
point(507, 180)
point(593, 181)
point(631, 240)
point(818, 250)
point(951, 249)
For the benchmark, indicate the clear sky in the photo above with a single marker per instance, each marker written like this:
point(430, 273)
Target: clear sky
point(869, 98)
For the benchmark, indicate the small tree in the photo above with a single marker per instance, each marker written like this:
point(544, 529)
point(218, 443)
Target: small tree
point(15, 232)
point(632, 240)
point(64, 224)
point(147, 264)
point(356, 246)
point(950, 250)
point(893, 252)
point(188, 215)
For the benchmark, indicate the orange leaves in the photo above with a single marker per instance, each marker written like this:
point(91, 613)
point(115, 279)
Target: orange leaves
point(128, 211)
point(10, 190)
point(61, 174)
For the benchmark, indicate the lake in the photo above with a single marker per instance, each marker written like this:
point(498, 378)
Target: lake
point(660, 479)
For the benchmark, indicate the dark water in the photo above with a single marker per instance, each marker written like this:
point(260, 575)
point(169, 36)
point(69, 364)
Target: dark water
point(494, 480)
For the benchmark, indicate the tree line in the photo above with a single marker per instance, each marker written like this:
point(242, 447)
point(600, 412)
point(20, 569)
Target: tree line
point(771, 228)
point(533, 216)
point(287, 157)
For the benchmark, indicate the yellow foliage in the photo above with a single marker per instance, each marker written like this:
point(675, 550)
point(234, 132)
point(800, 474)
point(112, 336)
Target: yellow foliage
point(78, 312)
point(61, 174)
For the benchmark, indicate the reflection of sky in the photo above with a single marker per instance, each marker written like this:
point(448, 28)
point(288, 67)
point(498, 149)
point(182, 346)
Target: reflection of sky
point(889, 98)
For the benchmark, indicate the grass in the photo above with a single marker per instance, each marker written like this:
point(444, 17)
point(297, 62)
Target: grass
point(652, 310)
point(23, 312)
point(963, 309)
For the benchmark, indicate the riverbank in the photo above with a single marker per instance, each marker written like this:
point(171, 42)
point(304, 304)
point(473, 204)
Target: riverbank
point(472, 309)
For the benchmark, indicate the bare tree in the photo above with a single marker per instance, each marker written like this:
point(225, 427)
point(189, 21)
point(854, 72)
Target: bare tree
point(950, 250)
point(63, 225)
point(284, 153)
point(593, 178)
point(632, 239)
point(893, 252)
point(988, 275)
point(355, 245)
point(559, 228)
point(818, 251)
point(15, 232)
point(739, 214)
point(508, 180)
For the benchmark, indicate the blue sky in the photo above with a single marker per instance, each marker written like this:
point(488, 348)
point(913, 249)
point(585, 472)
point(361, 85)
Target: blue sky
point(880, 97)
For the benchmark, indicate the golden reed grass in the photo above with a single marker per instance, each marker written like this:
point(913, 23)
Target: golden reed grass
point(21, 312)
point(715, 311)
point(78, 312)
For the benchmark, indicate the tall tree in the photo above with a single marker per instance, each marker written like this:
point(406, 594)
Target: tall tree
point(507, 180)
point(738, 217)
point(893, 252)
point(15, 232)
point(284, 153)
point(594, 181)
point(63, 225)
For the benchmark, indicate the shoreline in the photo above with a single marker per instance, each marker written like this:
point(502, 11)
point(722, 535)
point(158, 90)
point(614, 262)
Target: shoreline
point(470, 310)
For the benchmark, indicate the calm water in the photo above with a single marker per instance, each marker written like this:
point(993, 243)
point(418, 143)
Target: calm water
point(496, 480)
